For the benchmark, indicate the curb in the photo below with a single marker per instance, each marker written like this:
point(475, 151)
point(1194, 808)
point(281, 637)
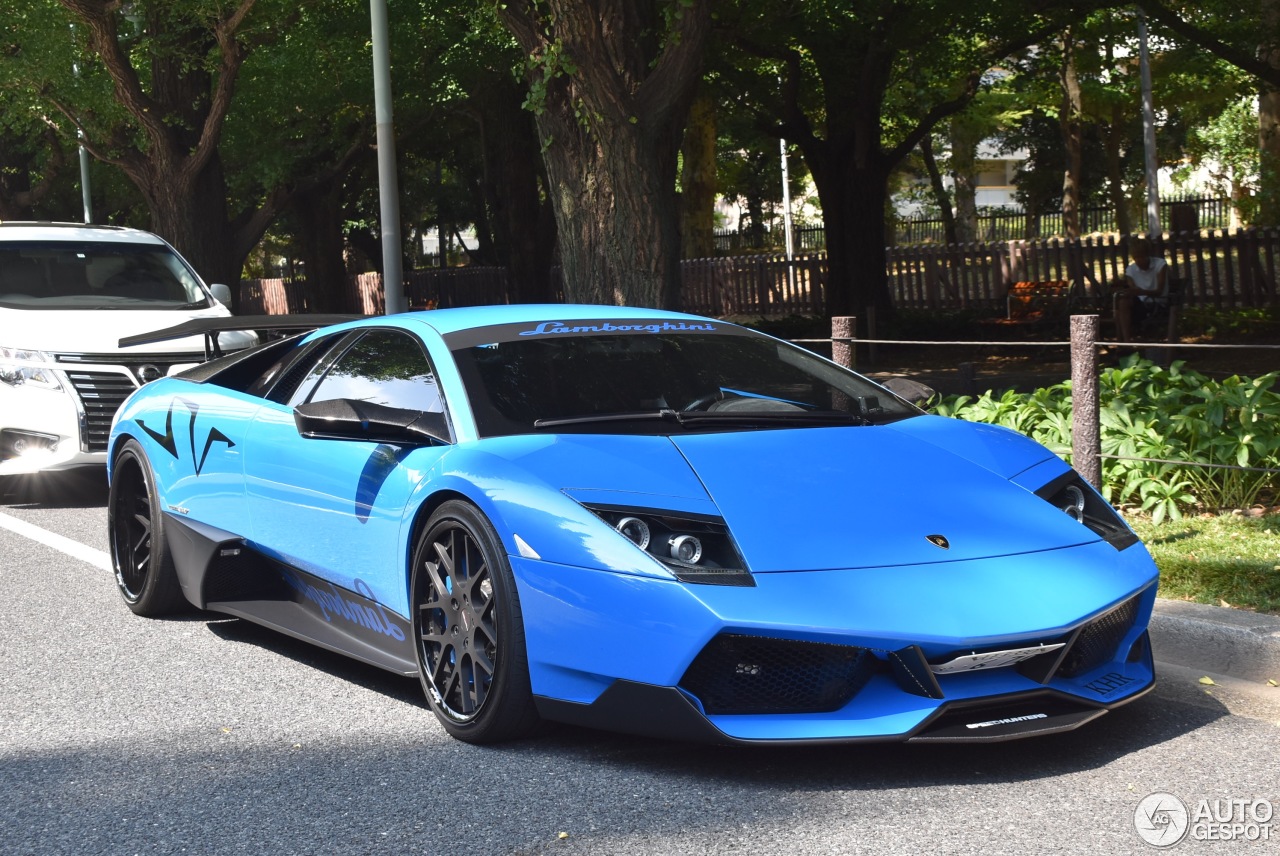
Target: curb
point(1216, 639)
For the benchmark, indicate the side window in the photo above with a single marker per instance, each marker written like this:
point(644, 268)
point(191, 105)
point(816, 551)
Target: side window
point(385, 367)
point(298, 370)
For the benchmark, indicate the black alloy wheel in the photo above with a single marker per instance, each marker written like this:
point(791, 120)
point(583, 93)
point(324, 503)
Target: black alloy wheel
point(468, 631)
point(143, 567)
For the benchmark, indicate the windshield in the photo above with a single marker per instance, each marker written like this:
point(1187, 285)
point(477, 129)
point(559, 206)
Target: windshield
point(95, 275)
point(656, 379)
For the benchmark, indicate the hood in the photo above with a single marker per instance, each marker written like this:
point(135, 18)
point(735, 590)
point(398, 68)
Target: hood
point(99, 331)
point(823, 498)
point(645, 471)
point(828, 498)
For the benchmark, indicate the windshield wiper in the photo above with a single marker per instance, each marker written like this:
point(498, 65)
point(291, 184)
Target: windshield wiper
point(806, 417)
point(775, 417)
point(626, 416)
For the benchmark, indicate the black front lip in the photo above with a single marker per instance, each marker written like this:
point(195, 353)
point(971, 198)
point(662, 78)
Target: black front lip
point(667, 713)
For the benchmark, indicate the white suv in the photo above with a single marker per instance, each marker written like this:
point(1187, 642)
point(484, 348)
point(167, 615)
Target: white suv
point(68, 295)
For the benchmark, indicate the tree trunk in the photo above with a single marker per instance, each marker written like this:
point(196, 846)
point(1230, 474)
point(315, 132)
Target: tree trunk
point(939, 190)
point(854, 198)
point(616, 217)
point(1269, 123)
point(520, 215)
point(698, 181)
point(611, 91)
point(1113, 140)
point(964, 172)
point(319, 214)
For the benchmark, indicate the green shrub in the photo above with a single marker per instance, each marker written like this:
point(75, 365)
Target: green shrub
point(1151, 416)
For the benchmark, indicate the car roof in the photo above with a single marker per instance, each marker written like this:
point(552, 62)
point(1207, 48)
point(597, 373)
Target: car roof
point(47, 231)
point(447, 321)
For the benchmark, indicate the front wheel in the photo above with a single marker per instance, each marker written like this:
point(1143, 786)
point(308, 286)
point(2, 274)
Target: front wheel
point(144, 569)
point(468, 629)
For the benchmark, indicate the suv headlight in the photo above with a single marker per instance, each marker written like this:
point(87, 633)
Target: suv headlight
point(19, 366)
point(1078, 500)
point(695, 548)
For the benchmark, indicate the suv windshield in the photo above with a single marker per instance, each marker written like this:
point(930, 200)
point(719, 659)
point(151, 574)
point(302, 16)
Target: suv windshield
point(635, 377)
point(95, 275)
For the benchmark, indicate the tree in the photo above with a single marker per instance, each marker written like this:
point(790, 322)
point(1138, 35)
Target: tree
point(610, 86)
point(861, 84)
point(1247, 35)
point(151, 86)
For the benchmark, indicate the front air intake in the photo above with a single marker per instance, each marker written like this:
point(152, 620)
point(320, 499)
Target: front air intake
point(1098, 640)
point(751, 674)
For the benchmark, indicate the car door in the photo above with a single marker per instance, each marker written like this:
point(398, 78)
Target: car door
point(333, 508)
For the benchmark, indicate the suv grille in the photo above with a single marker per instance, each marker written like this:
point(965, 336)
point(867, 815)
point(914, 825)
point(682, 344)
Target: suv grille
point(102, 392)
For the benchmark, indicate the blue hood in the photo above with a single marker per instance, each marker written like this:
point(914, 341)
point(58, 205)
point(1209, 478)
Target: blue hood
point(823, 498)
point(826, 498)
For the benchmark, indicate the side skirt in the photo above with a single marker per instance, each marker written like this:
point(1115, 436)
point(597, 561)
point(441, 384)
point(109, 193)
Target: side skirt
point(220, 572)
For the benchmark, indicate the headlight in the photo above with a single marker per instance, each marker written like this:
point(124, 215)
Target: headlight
point(695, 548)
point(1079, 501)
point(18, 366)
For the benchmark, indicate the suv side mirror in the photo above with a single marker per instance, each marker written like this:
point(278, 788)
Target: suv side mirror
point(221, 293)
point(913, 391)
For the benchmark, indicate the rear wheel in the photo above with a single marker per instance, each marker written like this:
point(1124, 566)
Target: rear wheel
point(144, 569)
point(468, 629)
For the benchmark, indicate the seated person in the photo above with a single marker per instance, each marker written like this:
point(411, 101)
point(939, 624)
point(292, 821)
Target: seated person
point(1146, 280)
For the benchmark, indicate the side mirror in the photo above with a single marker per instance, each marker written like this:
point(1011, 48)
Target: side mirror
point(345, 419)
point(913, 391)
point(221, 293)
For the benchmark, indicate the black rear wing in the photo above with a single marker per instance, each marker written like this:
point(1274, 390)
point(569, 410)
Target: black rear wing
point(212, 328)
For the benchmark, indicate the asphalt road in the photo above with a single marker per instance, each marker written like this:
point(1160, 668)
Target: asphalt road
point(122, 735)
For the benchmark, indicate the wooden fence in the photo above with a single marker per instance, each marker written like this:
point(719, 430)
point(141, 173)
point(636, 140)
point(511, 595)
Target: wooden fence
point(1222, 269)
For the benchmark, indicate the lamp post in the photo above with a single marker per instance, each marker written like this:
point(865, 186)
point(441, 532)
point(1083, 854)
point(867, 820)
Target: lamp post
point(388, 188)
point(1148, 130)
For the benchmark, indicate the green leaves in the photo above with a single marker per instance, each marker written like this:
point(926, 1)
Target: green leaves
point(1227, 432)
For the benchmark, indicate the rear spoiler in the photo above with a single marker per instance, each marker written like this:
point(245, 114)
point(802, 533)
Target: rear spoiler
point(211, 328)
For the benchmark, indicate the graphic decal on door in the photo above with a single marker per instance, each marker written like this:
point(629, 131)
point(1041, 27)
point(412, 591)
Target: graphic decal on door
point(168, 441)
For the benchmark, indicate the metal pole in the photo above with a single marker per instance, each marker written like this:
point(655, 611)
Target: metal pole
point(84, 182)
point(786, 216)
point(1148, 130)
point(388, 190)
point(85, 195)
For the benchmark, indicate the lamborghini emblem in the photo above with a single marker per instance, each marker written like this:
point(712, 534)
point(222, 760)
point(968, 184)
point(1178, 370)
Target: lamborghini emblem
point(938, 541)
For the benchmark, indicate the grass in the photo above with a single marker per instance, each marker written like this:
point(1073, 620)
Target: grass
point(1229, 559)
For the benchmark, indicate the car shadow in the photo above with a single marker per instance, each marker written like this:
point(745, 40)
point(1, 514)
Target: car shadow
point(1156, 718)
point(398, 687)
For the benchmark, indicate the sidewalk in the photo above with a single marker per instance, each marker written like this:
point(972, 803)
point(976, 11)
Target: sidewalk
point(1217, 639)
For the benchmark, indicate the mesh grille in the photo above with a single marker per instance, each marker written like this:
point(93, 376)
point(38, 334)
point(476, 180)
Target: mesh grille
point(1099, 639)
point(746, 674)
point(101, 393)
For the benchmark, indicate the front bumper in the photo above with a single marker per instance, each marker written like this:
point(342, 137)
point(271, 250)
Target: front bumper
point(40, 430)
point(620, 652)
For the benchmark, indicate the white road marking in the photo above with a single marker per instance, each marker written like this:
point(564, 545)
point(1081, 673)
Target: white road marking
point(97, 558)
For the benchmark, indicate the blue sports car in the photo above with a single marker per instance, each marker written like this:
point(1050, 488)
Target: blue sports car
point(633, 520)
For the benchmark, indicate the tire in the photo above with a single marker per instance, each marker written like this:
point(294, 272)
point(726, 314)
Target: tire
point(139, 555)
point(468, 631)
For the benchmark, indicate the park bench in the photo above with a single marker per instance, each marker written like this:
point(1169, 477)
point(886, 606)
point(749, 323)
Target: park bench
point(1031, 302)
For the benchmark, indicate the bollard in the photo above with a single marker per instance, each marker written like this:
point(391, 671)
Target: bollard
point(1086, 443)
point(844, 329)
